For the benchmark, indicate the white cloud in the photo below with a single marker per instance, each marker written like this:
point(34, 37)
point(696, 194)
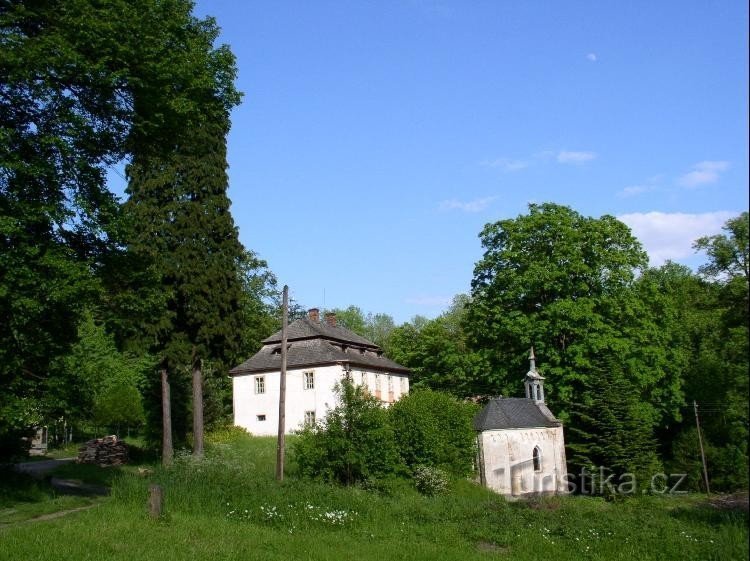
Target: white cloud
point(651, 184)
point(507, 164)
point(592, 57)
point(667, 235)
point(633, 190)
point(703, 173)
point(568, 157)
point(432, 301)
point(476, 205)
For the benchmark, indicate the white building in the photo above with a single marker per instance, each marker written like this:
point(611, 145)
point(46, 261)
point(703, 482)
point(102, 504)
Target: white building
point(319, 354)
point(521, 447)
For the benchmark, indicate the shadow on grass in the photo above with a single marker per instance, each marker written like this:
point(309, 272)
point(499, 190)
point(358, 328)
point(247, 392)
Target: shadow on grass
point(142, 453)
point(87, 473)
point(22, 488)
point(704, 513)
point(18, 487)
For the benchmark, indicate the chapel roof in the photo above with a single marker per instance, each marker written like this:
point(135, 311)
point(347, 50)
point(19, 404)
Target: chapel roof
point(514, 413)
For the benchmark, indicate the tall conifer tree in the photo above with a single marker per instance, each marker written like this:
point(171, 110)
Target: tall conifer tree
point(182, 231)
point(181, 209)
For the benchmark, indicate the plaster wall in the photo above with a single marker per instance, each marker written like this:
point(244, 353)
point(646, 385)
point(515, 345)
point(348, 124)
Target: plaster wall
point(506, 461)
point(259, 412)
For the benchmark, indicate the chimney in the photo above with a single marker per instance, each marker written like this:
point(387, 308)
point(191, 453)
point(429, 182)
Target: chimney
point(314, 314)
point(331, 319)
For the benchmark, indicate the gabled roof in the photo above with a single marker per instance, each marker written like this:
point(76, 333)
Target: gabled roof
point(514, 413)
point(305, 328)
point(317, 344)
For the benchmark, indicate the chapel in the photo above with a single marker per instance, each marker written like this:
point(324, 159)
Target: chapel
point(520, 443)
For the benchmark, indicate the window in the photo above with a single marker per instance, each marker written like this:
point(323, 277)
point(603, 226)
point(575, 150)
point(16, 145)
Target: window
point(377, 386)
point(537, 458)
point(309, 380)
point(309, 418)
point(404, 385)
point(260, 384)
point(260, 417)
point(390, 389)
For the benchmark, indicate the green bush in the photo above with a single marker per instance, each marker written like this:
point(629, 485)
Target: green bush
point(434, 429)
point(226, 434)
point(354, 443)
point(430, 481)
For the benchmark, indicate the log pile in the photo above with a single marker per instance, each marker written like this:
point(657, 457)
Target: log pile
point(103, 452)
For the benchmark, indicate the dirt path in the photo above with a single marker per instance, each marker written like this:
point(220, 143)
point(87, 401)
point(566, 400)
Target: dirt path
point(42, 468)
point(49, 516)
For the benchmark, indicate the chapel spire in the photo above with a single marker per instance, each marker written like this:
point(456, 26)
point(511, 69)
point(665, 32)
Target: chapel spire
point(534, 382)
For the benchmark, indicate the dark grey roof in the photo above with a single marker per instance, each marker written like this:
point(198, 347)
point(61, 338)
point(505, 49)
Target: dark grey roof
point(305, 328)
point(317, 352)
point(514, 413)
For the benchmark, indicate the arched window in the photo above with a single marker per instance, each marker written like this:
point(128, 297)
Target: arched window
point(539, 393)
point(537, 458)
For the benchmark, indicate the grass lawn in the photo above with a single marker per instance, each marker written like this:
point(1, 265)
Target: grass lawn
point(229, 507)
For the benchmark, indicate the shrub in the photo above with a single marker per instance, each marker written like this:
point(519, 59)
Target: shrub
point(226, 434)
point(430, 481)
point(352, 444)
point(434, 429)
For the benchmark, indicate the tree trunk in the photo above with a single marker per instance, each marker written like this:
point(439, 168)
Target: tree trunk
point(197, 409)
point(167, 451)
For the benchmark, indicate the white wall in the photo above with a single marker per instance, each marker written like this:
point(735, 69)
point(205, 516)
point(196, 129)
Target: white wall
point(508, 467)
point(248, 404)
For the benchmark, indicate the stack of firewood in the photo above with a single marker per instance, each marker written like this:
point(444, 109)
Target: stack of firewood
point(107, 451)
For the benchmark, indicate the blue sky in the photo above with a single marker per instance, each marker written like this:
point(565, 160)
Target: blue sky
point(375, 139)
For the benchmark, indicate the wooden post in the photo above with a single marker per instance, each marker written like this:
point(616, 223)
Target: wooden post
point(197, 408)
point(167, 452)
point(282, 389)
point(700, 442)
point(155, 501)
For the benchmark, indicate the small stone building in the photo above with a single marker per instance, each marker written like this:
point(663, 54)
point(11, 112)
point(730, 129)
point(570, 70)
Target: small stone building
point(521, 449)
point(319, 355)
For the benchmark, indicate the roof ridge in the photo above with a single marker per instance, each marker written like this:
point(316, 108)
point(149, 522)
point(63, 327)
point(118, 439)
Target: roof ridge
point(305, 328)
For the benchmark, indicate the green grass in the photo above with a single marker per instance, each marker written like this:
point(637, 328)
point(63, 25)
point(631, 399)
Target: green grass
point(24, 498)
point(69, 450)
point(228, 506)
point(22, 512)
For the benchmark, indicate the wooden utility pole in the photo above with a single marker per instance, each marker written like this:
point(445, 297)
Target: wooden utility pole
point(197, 408)
point(700, 442)
point(282, 389)
point(167, 452)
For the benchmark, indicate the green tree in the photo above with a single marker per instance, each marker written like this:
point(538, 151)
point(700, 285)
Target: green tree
point(68, 76)
point(438, 352)
point(179, 202)
point(378, 328)
point(566, 284)
point(435, 429)
point(611, 428)
point(96, 383)
point(260, 294)
point(353, 318)
point(60, 125)
point(374, 327)
point(353, 444)
point(727, 253)
point(717, 378)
